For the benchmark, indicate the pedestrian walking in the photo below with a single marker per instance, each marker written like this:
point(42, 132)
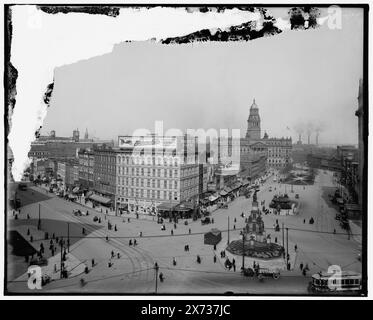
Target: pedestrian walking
point(198, 259)
point(134, 242)
point(295, 248)
point(118, 255)
point(172, 232)
point(275, 239)
point(107, 238)
point(214, 259)
point(130, 242)
point(301, 266)
point(212, 220)
point(190, 231)
point(115, 228)
point(93, 262)
point(214, 246)
point(234, 267)
point(112, 253)
point(174, 261)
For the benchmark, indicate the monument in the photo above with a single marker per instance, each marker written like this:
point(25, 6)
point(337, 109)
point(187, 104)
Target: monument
point(255, 242)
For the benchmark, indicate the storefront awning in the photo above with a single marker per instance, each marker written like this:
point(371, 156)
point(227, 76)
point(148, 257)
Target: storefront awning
point(166, 206)
point(223, 193)
point(213, 198)
point(100, 199)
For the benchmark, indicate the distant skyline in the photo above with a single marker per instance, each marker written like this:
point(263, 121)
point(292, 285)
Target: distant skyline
point(295, 77)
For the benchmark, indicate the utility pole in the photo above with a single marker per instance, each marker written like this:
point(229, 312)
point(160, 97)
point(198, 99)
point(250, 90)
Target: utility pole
point(68, 237)
point(243, 249)
point(156, 268)
point(283, 236)
point(61, 243)
point(39, 221)
point(228, 231)
point(287, 247)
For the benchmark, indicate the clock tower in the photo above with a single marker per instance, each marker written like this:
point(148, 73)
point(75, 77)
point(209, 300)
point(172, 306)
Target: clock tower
point(253, 123)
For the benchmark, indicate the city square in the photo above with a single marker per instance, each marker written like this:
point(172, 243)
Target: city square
point(199, 164)
point(134, 271)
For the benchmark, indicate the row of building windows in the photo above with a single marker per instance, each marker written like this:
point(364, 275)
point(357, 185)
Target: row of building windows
point(148, 183)
point(147, 194)
point(139, 171)
point(165, 161)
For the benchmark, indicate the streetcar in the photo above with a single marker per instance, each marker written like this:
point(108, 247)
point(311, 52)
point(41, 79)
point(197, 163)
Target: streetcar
point(346, 281)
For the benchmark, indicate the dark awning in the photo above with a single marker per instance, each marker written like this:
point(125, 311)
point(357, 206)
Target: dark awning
point(166, 206)
point(223, 193)
point(100, 199)
point(185, 207)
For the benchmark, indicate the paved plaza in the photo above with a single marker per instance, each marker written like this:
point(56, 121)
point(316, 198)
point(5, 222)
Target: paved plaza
point(132, 271)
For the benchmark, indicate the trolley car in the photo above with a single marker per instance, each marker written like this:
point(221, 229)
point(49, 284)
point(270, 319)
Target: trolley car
point(346, 281)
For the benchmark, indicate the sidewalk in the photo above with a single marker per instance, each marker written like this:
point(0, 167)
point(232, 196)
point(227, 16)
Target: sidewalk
point(356, 231)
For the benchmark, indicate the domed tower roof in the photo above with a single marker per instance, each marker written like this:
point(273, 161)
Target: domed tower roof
point(265, 135)
point(254, 105)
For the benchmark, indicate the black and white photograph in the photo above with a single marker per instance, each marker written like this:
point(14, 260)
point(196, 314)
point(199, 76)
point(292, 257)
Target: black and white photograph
point(186, 150)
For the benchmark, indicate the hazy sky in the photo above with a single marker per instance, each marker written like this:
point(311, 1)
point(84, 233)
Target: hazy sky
point(296, 76)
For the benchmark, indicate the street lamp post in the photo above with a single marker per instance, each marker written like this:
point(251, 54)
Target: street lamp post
point(243, 249)
point(39, 220)
point(228, 230)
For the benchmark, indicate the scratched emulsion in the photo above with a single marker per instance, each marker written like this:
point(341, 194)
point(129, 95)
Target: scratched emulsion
point(243, 32)
point(299, 15)
point(104, 10)
point(11, 74)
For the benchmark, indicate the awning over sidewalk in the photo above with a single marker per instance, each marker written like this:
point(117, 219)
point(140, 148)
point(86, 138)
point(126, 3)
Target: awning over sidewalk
point(100, 199)
point(213, 198)
point(166, 206)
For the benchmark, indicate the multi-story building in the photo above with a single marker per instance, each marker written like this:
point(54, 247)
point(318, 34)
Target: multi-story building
point(154, 170)
point(58, 148)
point(86, 168)
point(202, 178)
point(275, 151)
point(363, 133)
point(104, 172)
point(68, 172)
point(323, 161)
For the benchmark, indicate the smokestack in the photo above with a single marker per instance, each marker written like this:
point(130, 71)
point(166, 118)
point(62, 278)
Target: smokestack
point(317, 138)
